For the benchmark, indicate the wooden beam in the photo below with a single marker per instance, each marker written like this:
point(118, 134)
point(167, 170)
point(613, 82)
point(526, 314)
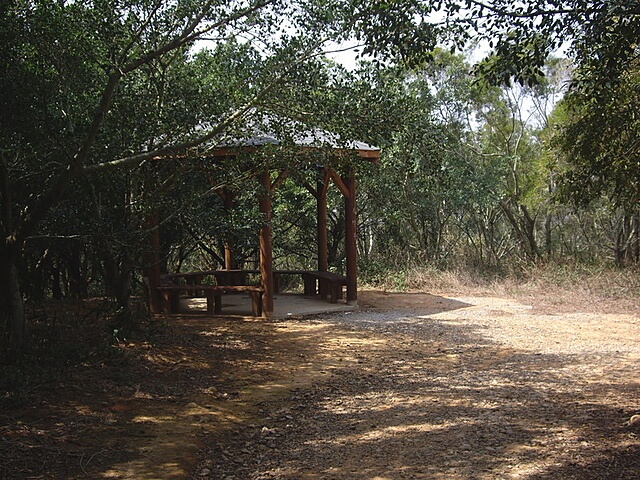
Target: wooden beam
point(371, 154)
point(325, 181)
point(228, 197)
point(311, 189)
point(280, 180)
point(339, 182)
point(266, 246)
point(222, 193)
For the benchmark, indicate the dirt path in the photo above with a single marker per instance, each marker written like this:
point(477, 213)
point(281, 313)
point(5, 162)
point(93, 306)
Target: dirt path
point(433, 387)
point(412, 386)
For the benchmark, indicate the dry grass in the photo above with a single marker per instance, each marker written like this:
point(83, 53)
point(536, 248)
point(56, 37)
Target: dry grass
point(564, 287)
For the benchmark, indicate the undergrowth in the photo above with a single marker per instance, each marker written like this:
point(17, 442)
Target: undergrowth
point(597, 282)
point(63, 336)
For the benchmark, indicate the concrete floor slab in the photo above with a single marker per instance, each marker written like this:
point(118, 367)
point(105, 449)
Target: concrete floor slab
point(285, 305)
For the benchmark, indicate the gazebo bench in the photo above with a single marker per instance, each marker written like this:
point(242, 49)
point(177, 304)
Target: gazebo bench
point(171, 296)
point(307, 277)
point(329, 284)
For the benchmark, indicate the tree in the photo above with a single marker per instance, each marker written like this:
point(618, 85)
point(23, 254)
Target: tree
point(62, 62)
point(94, 86)
point(74, 71)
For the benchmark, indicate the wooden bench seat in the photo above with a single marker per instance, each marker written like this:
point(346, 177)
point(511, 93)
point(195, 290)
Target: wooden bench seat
point(329, 284)
point(255, 293)
point(326, 284)
point(171, 296)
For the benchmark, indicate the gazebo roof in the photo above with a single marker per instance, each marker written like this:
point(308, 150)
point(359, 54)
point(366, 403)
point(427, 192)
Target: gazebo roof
point(262, 134)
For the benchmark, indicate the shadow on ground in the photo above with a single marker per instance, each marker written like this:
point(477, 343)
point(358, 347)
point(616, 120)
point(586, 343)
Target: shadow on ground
point(374, 394)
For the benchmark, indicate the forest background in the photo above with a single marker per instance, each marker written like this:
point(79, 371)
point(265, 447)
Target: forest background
point(513, 165)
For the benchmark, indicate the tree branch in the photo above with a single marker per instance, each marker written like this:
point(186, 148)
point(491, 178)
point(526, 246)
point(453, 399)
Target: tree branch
point(33, 216)
point(173, 149)
point(505, 12)
point(182, 147)
point(190, 34)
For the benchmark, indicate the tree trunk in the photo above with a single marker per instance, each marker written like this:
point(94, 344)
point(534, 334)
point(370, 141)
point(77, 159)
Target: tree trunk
point(123, 288)
point(266, 247)
point(12, 319)
point(56, 277)
point(548, 240)
point(523, 228)
point(619, 249)
point(77, 281)
point(529, 229)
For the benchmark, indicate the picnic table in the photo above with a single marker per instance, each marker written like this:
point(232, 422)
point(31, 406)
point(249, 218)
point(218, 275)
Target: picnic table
point(222, 277)
point(173, 285)
point(327, 285)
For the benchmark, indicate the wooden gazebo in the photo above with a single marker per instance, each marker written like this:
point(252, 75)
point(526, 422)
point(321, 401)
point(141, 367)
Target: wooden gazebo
point(344, 179)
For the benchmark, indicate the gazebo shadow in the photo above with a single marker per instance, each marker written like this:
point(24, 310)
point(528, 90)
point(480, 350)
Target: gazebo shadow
point(418, 303)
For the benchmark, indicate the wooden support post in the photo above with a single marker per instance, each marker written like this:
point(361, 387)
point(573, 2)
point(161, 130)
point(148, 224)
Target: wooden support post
point(266, 247)
point(321, 198)
point(350, 237)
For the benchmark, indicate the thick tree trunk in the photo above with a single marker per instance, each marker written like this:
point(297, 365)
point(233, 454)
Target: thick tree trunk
point(12, 319)
point(77, 281)
point(351, 244)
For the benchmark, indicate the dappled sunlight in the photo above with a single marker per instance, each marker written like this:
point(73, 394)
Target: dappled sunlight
point(373, 434)
point(411, 403)
point(419, 446)
point(356, 396)
point(148, 419)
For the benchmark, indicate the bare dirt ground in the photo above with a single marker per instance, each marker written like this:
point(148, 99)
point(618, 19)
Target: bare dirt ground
point(412, 386)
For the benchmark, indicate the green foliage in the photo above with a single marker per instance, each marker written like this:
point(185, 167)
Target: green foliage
point(108, 113)
point(380, 274)
point(294, 233)
point(600, 139)
point(398, 30)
